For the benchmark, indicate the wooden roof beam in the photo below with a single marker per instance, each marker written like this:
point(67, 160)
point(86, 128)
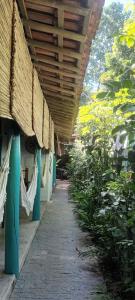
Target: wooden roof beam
point(56, 80)
point(62, 119)
point(48, 46)
point(64, 98)
point(76, 9)
point(61, 129)
point(60, 13)
point(23, 10)
point(56, 63)
point(54, 30)
point(62, 104)
point(58, 108)
point(63, 126)
point(64, 73)
point(55, 88)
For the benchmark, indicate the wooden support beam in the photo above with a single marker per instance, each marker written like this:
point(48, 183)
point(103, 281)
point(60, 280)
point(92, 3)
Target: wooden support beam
point(53, 94)
point(75, 9)
point(59, 128)
point(53, 70)
point(64, 118)
point(54, 30)
point(57, 108)
point(57, 111)
point(48, 46)
point(23, 10)
point(61, 102)
point(55, 88)
point(84, 32)
point(62, 121)
point(62, 106)
point(63, 126)
point(56, 80)
point(60, 13)
point(54, 108)
point(63, 132)
point(56, 63)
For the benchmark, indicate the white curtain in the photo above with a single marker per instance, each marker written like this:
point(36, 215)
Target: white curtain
point(45, 171)
point(4, 171)
point(27, 197)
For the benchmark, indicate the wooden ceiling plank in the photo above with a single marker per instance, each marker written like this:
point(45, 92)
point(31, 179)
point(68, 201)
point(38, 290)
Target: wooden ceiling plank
point(48, 46)
point(63, 104)
point(56, 80)
point(79, 10)
point(56, 108)
point(84, 32)
point(23, 10)
point(51, 80)
point(60, 13)
point(62, 126)
point(64, 73)
point(60, 111)
point(57, 88)
point(53, 94)
point(56, 63)
point(54, 30)
point(60, 101)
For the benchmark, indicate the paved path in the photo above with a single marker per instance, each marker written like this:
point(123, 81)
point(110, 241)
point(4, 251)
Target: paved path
point(53, 269)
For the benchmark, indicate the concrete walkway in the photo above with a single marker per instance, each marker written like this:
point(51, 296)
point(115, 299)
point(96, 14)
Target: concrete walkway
point(53, 269)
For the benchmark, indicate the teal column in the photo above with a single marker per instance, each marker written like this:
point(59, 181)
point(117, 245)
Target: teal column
point(0, 148)
point(12, 210)
point(36, 208)
point(54, 170)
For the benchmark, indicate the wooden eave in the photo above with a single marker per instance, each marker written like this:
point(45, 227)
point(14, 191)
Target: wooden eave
point(59, 35)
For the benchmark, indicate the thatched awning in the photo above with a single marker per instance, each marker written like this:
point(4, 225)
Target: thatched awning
point(22, 71)
point(51, 134)
point(59, 35)
point(38, 109)
point(6, 14)
point(46, 124)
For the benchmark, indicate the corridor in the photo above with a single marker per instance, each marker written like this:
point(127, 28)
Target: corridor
point(53, 269)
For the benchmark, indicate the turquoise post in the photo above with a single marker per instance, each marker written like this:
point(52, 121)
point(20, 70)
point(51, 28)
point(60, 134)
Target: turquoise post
point(54, 170)
point(36, 208)
point(12, 210)
point(0, 148)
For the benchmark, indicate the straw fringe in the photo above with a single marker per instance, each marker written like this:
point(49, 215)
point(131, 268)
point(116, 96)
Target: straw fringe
point(51, 135)
point(21, 98)
point(6, 15)
point(46, 126)
point(38, 99)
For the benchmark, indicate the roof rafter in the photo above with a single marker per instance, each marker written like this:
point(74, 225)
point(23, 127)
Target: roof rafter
point(54, 30)
point(80, 10)
point(48, 46)
point(56, 88)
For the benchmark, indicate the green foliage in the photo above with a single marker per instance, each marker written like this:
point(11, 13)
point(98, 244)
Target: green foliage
point(112, 21)
point(102, 175)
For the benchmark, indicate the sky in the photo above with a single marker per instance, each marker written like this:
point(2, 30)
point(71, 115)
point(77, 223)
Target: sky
point(110, 1)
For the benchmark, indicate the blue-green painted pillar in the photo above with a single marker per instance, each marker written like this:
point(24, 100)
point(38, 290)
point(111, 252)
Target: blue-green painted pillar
point(12, 209)
point(0, 148)
point(36, 208)
point(54, 170)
